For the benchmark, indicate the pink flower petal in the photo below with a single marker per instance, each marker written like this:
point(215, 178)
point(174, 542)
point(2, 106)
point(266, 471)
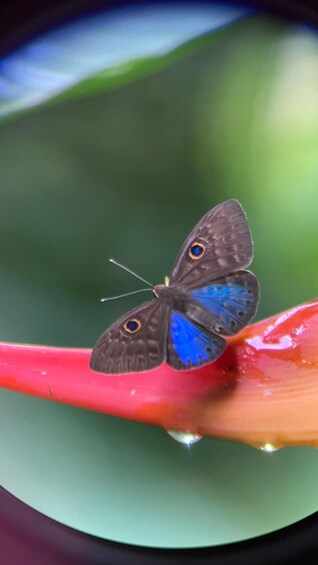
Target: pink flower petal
point(262, 390)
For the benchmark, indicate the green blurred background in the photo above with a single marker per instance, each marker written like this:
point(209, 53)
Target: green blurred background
point(127, 173)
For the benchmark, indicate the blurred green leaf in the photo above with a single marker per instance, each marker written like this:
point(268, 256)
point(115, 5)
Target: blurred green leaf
point(106, 50)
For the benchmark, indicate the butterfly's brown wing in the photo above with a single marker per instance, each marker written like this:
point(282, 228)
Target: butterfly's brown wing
point(226, 305)
point(120, 351)
point(225, 237)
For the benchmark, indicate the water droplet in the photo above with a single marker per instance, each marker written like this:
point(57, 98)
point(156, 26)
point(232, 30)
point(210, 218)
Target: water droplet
point(186, 438)
point(132, 392)
point(268, 447)
point(43, 372)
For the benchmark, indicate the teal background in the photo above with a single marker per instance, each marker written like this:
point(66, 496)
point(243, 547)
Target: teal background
point(127, 173)
point(132, 483)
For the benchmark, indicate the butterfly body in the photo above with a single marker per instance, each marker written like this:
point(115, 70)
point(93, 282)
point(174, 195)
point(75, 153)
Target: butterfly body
point(171, 296)
point(209, 295)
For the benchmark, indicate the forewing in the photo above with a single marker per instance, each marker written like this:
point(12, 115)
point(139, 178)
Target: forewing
point(189, 345)
point(225, 236)
point(118, 351)
point(226, 305)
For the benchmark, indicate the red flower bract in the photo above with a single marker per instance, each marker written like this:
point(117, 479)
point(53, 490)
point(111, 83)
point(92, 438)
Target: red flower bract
point(263, 389)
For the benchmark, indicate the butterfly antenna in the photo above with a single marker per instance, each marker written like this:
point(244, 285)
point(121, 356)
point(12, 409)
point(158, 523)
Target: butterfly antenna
point(130, 271)
point(127, 294)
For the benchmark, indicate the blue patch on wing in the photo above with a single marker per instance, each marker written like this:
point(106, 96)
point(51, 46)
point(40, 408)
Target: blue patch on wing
point(230, 303)
point(193, 345)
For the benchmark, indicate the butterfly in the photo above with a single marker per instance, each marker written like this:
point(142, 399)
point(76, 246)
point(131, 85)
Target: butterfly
point(209, 296)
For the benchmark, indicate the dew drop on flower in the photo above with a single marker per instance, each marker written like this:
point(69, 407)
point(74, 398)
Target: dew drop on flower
point(186, 438)
point(268, 447)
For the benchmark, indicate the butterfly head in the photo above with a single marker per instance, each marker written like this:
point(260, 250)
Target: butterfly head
point(161, 291)
point(170, 295)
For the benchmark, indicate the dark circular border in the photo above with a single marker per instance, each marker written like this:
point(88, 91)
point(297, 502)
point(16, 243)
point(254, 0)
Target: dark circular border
point(22, 19)
point(27, 536)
